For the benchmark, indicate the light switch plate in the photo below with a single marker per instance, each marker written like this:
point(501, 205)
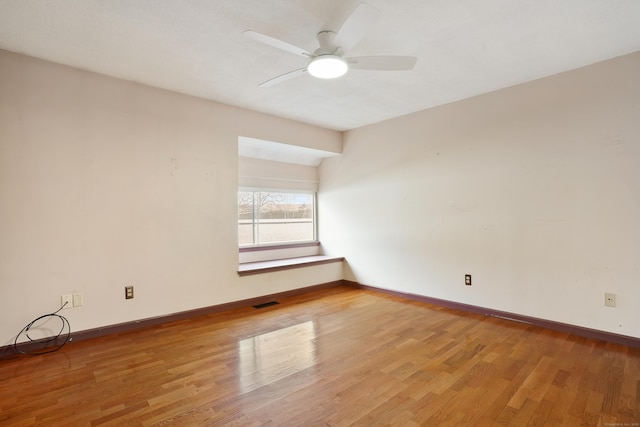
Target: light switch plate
point(78, 300)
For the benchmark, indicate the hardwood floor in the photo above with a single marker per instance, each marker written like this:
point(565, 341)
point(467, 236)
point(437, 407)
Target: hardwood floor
point(338, 357)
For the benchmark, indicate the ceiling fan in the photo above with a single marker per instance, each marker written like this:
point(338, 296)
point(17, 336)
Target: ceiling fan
point(328, 61)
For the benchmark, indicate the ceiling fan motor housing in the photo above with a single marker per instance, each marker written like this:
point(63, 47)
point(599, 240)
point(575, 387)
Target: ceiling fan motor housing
point(327, 46)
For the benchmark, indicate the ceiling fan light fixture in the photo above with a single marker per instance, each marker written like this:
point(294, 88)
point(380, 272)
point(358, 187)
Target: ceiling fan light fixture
point(327, 67)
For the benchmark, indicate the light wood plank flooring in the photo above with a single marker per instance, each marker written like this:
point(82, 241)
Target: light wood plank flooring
point(337, 357)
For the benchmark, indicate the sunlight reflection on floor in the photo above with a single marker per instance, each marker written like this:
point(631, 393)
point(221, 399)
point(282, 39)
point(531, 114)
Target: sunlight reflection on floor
point(275, 355)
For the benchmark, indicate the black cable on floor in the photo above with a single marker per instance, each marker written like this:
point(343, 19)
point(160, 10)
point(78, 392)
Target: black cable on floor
point(45, 342)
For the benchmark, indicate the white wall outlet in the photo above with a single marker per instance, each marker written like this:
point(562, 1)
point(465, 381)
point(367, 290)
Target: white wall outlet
point(610, 300)
point(78, 300)
point(66, 301)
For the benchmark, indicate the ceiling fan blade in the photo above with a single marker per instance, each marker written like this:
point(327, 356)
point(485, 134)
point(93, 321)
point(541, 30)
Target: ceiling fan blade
point(284, 77)
point(356, 25)
point(262, 38)
point(383, 63)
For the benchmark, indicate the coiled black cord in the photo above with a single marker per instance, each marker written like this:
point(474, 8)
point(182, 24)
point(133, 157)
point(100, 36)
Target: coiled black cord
point(44, 342)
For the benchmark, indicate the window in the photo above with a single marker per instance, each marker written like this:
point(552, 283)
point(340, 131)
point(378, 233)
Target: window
point(272, 217)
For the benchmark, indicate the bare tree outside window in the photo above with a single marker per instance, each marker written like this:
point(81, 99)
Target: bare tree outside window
point(266, 217)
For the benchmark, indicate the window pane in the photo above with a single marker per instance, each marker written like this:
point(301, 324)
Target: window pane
point(245, 218)
point(273, 217)
point(285, 217)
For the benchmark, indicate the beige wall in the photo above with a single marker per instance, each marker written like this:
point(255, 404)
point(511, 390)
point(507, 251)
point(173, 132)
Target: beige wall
point(106, 183)
point(534, 190)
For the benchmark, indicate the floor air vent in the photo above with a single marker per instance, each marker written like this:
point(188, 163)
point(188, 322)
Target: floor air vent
point(266, 304)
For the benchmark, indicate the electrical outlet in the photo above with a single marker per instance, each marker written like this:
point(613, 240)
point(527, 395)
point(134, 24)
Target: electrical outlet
point(128, 292)
point(66, 301)
point(467, 279)
point(610, 300)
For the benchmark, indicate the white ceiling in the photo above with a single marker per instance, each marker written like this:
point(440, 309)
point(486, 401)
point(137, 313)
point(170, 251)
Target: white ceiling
point(464, 48)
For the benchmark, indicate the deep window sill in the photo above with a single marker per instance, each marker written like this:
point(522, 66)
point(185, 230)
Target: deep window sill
point(248, 268)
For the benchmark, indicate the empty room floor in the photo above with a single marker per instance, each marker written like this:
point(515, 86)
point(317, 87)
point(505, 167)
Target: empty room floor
point(337, 357)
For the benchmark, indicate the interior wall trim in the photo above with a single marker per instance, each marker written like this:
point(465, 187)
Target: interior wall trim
point(8, 350)
point(547, 324)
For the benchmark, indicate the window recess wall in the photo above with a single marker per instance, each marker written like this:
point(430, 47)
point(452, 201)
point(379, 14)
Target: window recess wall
point(260, 170)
